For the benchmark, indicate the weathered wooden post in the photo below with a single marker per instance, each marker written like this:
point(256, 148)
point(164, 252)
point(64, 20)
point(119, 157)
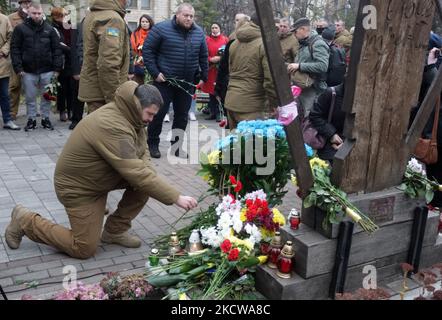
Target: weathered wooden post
point(382, 86)
point(282, 86)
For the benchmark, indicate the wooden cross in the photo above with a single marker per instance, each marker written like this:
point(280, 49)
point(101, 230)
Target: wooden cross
point(382, 86)
point(282, 86)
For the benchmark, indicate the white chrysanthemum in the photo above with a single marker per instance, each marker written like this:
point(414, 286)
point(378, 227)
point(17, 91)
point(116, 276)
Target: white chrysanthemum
point(248, 228)
point(415, 166)
point(237, 223)
point(211, 237)
point(225, 223)
point(255, 234)
point(260, 194)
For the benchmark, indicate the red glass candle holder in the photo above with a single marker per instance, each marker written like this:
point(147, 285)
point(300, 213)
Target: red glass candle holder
point(285, 265)
point(285, 261)
point(295, 222)
point(273, 257)
point(264, 248)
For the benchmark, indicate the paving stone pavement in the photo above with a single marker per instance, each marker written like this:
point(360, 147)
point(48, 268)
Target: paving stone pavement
point(27, 163)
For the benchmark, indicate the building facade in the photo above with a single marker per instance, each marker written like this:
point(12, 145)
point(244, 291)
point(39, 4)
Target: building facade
point(159, 10)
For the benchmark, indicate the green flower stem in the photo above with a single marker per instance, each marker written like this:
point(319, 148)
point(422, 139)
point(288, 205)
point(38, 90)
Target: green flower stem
point(218, 278)
point(365, 223)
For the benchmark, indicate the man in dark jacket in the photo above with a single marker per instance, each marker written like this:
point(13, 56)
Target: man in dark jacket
point(332, 131)
point(36, 58)
point(175, 49)
point(77, 61)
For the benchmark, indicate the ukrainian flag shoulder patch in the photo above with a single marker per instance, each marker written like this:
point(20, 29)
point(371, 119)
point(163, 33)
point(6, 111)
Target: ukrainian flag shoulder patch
point(113, 32)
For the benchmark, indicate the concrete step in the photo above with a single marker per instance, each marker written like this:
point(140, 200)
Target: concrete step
point(315, 253)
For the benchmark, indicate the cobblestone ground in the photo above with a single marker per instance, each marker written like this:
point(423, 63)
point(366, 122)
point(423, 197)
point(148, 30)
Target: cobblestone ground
point(27, 163)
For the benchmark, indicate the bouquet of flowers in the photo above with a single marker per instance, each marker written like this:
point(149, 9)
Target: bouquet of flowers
point(51, 89)
point(416, 184)
point(232, 242)
point(248, 220)
point(242, 155)
point(331, 199)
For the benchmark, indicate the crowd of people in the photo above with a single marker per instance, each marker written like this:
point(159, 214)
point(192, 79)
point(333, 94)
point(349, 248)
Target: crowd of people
point(105, 66)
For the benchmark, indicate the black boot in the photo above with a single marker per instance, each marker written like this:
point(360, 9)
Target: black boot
point(73, 125)
point(179, 152)
point(154, 151)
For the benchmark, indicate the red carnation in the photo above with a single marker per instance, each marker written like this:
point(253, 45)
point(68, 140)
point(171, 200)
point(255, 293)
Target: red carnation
point(233, 255)
point(238, 187)
point(232, 180)
point(46, 96)
point(198, 86)
point(226, 246)
point(223, 123)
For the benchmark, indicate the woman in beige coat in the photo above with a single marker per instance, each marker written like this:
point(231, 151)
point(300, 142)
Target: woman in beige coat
point(5, 72)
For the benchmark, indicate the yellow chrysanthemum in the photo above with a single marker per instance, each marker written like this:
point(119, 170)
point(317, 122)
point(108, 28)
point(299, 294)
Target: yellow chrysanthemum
point(248, 244)
point(214, 157)
point(239, 242)
point(294, 180)
point(262, 259)
point(266, 234)
point(316, 162)
point(278, 217)
point(206, 177)
point(243, 216)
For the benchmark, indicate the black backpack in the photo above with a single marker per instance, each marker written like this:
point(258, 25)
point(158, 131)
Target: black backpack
point(337, 66)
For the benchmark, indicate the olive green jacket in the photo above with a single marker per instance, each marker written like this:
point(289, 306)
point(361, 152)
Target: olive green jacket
point(290, 47)
point(251, 86)
point(108, 151)
point(5, 45)
point(344, 39)
point(106, 54)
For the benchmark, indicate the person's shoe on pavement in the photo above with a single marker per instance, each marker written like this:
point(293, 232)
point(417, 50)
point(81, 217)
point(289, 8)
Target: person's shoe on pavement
point(123, 239)
point(63, 116)
point(46, 123)
point(31, 125)
point(154, 151)
point(14, 232)
point(11, 125)
point(73, 125)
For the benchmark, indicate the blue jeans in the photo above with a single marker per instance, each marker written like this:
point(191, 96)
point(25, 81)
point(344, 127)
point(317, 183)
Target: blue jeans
point(193, 106)
point(34, 85)
point(4, 99)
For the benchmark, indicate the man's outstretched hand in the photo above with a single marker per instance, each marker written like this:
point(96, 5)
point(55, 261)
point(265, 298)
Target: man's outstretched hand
point(187, 203)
